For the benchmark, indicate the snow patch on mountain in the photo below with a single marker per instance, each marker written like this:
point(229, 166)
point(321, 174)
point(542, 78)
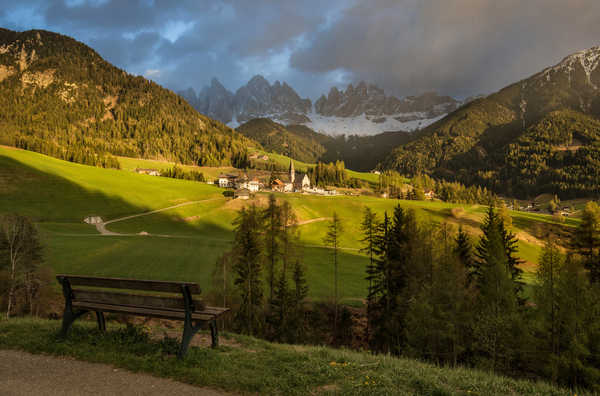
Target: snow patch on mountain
point(363, 125)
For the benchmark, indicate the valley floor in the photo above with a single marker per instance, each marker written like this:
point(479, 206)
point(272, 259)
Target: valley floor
point(136, 210)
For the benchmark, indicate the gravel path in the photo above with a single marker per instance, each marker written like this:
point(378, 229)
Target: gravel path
point(24, 374)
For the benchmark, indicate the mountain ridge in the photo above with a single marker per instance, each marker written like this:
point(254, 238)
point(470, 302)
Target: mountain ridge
point(473, 143)
point(363, 109)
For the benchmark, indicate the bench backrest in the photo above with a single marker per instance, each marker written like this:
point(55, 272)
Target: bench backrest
point(185, 290)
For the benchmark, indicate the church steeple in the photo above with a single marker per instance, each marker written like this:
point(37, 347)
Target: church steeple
point(292, 172)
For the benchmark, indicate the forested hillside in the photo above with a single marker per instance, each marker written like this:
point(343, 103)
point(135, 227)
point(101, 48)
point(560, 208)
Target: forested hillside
point(515, 141)
point(300, 143)
point(360, 153)
point(59, 97)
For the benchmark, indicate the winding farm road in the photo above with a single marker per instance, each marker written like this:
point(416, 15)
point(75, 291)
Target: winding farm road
point(101, 227)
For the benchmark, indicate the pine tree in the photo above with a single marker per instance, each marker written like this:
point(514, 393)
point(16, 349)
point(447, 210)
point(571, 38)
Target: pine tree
point(298, 298)
point(497, 329)
point(332, 239)
point(273, 223)
point(247, 264)
point(390, 285)
point(369, 228)
point(464, 252)
point(579, 316)
point(547, 298)
point(283, 303)
point(494, 224)
point(586, 240)
point(439, 318)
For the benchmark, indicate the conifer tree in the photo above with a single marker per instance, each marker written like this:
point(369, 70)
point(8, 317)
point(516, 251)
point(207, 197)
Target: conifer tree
point(273, 225)
point(494, 224)
point(390, 285)
point(497, 326)
point(283, 302)
point(548, 303)
point(579, 316)
point(298, 298)
point(369, 228)
point(247, 263)
point(439, 318)
point(464, 251)
point(586, 240)
point(332, 239)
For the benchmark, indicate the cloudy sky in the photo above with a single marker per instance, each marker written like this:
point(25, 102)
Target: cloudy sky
point(455, 47)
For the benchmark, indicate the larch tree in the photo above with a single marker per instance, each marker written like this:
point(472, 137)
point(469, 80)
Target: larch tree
point(332, 239)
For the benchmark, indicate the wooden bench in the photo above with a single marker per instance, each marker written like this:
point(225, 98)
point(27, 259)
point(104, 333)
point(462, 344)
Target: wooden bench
point(81, 297)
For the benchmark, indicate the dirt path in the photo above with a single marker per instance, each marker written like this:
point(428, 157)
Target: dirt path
point(314, 220)
point(101, 227)
point(26, 374)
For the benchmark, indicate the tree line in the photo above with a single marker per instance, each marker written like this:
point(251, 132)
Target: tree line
point(435, 294)
point(263, 275)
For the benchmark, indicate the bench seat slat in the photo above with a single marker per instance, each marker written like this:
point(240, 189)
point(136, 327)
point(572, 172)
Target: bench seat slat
point(131, 284)
point(144, 311)
point(116, 298)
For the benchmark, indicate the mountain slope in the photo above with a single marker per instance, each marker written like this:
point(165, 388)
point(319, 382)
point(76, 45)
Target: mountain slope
point(359, 153)
point(477, 143)
point(61, 98)
point(297, 143)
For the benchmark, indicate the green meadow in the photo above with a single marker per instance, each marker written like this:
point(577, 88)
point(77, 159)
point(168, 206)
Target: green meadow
point(185, 241)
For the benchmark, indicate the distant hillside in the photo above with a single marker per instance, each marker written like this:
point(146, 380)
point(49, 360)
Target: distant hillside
point(59, 97)
point(299, 143)
point(360, 153)
point(520, 139)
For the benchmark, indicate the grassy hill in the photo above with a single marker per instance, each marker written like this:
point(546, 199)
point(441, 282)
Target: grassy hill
point(59, 194)
point(249, 366)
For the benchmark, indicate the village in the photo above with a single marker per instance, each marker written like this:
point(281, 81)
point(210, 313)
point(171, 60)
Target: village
point(292, 182)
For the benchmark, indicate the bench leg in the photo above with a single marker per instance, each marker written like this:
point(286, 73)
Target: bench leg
point(189, 331)
point(214, 333)
point(101, 321)
point(68, 319)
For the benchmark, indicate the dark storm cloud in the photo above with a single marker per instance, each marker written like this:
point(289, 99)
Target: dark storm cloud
point(457, 47)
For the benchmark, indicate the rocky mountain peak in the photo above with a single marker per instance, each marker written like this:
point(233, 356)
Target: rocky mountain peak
point(369, 99)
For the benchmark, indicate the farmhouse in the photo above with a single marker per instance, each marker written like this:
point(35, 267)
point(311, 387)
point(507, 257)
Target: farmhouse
point(254, 185)
point(151, 172)
point(227, 181)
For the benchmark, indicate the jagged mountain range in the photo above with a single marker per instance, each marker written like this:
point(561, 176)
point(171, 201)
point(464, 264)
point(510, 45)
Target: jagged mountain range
point(363, 109)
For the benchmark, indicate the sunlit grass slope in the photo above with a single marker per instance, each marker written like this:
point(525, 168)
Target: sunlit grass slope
point(59, 194)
